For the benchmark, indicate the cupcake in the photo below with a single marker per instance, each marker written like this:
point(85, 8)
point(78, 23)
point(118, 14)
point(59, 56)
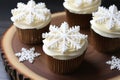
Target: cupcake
point(105, 29)
point(79, 12)
point(31, 20)
point(64, 48)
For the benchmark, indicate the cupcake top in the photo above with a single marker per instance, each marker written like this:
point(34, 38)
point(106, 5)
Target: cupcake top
point(106, 22)
point(31, 15)
point(64, 42)
point(82, 6)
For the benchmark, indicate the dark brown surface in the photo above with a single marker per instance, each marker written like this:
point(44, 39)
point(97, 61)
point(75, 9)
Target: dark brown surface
point(79, 19)
point(93, 67)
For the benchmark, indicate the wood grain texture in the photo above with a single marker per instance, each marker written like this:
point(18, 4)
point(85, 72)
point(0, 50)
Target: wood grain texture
point(93, 67)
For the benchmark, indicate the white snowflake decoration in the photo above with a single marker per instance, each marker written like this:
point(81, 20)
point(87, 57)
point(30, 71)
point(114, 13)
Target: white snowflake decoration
point(30, 12)
point(64, 36)
point(109, 16)
point(27, 55)
point(114, 63)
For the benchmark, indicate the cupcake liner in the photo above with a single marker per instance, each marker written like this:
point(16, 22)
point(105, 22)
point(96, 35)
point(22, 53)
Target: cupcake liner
point(83, 20)
point(31, 36)
point(104, 44)
point(64, 66)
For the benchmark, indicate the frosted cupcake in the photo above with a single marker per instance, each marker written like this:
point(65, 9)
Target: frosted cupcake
point(79, 12)
point(31, 20)
point(64, 47)
point(105, 28)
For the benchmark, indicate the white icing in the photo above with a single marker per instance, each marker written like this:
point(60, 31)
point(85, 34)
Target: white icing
point(78, 3)
point(106, 33)
point(27, 54)
point(106, 22)
point(64, 41)
point(70, 55)
point(31, 15)
point(82, 6)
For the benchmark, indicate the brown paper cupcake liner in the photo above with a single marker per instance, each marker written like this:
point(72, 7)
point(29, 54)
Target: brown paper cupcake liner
point(83, 20)
point(64, 66)
point(104, 44)
point(31, 36)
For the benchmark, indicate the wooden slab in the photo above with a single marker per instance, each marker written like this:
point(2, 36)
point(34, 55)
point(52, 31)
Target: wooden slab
point(93, 67)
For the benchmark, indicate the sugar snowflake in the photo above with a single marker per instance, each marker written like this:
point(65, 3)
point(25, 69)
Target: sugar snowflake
point(30, 12)
point(27, 54)
point(114, 63)
point(109, 16)
point(64, 37)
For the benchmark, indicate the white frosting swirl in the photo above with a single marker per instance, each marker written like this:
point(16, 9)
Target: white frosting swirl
point(63, 42)
point(82, 6)
point(31, 15)
point(106, 22)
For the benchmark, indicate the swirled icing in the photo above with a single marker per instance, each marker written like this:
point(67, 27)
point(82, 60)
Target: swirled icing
point(31, 15)
point(106, 22)
point(82, 6)
point(64, 42)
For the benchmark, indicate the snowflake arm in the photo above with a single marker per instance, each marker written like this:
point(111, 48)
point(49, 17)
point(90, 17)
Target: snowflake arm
point(74, 44)
point(53, 43)
point(29, 18)
point(40, 16)
point(21, 5)
point(18, 17)
point(101, 20)
point(54, 29)
point(117, 21)
point(110, 23)
point(40, 6)
point(74, 29)
point(63, 47)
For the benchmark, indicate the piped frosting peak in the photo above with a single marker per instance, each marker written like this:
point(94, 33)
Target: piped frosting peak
point(30, 14)
point(64, 39)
